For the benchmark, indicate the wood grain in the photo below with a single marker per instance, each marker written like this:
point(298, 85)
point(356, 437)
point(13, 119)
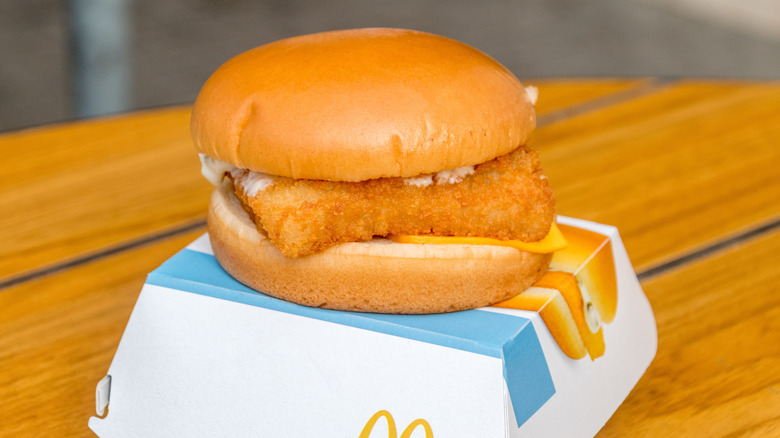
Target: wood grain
point(717, 371)
point(557, 95)
point(675, 170)
point(58, 335)
point(72, 189)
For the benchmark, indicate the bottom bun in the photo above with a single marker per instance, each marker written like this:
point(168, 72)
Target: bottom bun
point(376, 276)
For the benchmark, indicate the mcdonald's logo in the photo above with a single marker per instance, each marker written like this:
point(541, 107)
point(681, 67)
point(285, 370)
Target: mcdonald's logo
point(391, 430)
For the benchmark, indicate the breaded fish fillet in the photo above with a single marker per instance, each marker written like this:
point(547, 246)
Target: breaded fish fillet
point(505, 198)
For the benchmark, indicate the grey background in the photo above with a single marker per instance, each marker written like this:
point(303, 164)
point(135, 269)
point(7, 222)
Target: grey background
point(174, 45)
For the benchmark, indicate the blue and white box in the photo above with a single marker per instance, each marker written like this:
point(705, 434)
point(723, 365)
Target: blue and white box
point(203, 355)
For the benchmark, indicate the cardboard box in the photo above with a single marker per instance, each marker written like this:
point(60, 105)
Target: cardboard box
point(202, 355)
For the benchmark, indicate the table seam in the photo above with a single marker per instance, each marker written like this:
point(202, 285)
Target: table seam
point(100, 254)
point(692, 256)
point(653, 84)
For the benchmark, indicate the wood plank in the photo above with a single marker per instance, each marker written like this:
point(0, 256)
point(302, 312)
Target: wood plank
point(59, 334)
point(71, 189)
point(77, 188)
point(558, 95)
point(674, 170)
point(716, 371)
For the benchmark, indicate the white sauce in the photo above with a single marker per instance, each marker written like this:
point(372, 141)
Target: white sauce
point(533, 94)
point(252, 182)
point(454, 176)
point(214, 170)
point(419, 181)
point(444, 177)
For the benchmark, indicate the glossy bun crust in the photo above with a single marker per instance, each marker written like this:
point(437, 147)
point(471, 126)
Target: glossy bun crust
point(376, 276)
point(361, 104)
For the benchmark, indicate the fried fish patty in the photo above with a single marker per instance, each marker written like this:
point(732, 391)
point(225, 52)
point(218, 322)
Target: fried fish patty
point(507, 198)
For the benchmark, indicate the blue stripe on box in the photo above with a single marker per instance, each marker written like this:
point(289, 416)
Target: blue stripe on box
point(492, 334)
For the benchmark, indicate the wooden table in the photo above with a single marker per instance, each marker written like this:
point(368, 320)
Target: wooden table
point(689, 172)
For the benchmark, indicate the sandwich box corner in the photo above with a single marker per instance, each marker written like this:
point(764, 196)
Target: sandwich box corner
point(204, 355)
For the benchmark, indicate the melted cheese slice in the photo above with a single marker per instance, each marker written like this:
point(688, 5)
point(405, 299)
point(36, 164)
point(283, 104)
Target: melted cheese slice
point(552, 242)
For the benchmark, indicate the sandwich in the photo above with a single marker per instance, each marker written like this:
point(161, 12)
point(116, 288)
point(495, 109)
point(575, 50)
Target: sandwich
point(376, 170)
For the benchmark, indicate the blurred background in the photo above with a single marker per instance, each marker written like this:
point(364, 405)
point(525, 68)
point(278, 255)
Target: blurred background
point(69, 59)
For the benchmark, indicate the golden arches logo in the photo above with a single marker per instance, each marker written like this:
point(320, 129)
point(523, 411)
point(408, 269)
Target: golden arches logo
point(391, 430)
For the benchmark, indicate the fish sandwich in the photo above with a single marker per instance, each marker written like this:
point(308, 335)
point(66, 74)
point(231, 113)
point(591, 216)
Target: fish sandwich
point(376, 170)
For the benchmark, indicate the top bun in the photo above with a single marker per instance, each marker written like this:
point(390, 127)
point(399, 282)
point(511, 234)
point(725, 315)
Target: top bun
point(360, 104)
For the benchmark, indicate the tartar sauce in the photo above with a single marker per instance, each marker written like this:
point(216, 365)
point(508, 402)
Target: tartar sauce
point(252, 182)
point(214, 170)
point(444, 177)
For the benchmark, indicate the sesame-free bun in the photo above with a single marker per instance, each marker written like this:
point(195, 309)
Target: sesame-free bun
point(376, 276)
point(360, 104)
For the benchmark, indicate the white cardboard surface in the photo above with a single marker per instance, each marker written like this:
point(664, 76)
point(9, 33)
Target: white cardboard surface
point(176, 338)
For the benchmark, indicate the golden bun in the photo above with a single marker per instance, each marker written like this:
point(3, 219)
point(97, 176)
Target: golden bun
point(360, 104)
point(376, 276)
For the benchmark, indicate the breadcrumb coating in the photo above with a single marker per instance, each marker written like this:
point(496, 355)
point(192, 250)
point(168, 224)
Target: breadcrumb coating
point(507, 198)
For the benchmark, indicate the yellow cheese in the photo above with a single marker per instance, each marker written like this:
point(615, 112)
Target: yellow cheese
point(552, 242)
